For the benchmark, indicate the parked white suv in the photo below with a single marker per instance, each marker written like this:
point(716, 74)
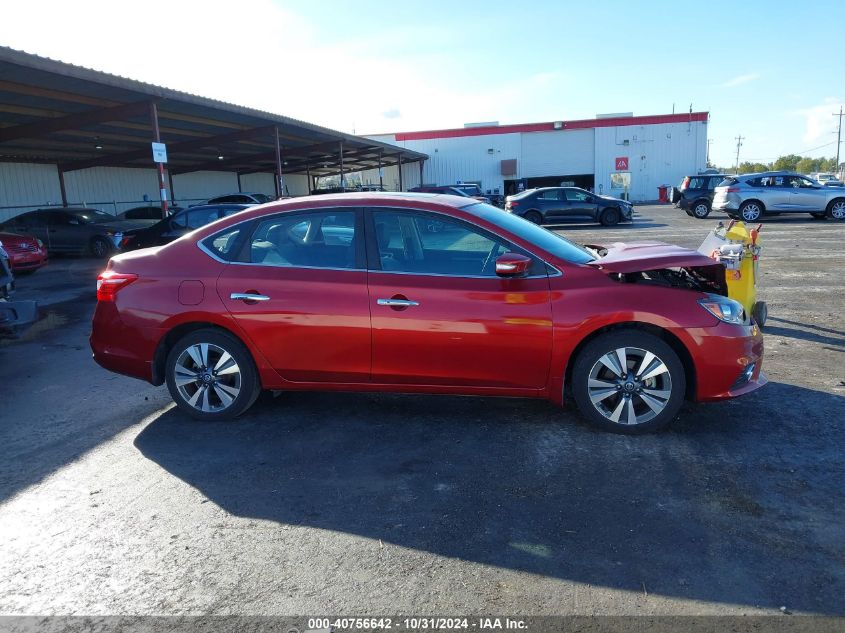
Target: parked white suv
point(750, 196)
point(827, 179)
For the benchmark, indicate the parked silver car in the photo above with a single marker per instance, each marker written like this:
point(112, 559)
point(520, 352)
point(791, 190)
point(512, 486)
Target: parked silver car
point(750, 196)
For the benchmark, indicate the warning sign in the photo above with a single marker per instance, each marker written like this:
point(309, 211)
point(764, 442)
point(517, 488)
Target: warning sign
point(621, 163)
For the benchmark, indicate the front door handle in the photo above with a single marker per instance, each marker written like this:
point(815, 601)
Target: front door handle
point(246, 296)
point(397, 303)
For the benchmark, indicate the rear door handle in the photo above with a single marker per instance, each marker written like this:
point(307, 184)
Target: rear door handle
point(246, 296)
point(402, 303)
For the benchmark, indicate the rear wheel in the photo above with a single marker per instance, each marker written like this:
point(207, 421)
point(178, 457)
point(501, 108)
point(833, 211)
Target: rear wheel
point(628, 382)
point(211, 375)
point(751, 211)
point(534, 216)
point(610, 217)
point(701, 210)
point(836, 209)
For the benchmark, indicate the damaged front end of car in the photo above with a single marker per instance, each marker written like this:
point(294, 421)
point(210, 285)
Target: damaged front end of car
point(15, 316)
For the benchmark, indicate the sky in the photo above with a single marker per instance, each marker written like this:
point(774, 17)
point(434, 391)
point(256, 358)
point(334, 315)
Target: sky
point(770, 71)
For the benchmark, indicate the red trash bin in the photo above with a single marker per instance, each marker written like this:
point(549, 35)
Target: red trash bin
point(662, 191)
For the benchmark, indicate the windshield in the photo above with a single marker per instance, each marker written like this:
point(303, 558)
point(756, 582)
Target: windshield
point(93, 215)
point(553, 243)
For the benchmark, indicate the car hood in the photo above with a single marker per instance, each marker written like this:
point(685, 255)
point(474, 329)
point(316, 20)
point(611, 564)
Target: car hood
point(611, 198)
point(116, 225)
point(633, 257)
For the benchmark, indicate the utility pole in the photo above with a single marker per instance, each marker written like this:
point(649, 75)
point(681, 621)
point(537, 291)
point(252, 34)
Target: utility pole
point(709, 140)
point(838, 137)
point(738, 145)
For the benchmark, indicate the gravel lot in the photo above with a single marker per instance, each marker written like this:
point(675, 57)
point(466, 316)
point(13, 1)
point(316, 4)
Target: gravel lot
point(111, 502)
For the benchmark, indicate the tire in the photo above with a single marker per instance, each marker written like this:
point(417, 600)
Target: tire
point(760, 312)
point(751, 211)
point(819, 216)
point(534, 217)
point(100, 248)
point(665, 389)
point(700, 209)
point(836, 209)
point(211, 396)
point(610, 217)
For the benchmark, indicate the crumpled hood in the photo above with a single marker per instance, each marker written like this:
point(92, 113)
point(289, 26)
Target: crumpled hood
point(630, 257)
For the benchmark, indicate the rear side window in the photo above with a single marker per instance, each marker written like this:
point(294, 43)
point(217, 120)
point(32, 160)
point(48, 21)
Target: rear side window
point(697, 183)
point(552, 194)
point(319, 239)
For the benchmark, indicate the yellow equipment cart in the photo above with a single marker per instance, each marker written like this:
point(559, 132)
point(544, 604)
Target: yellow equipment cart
point(737, 248)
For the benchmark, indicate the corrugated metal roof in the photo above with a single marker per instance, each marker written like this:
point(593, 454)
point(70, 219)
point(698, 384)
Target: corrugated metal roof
point(36, 91)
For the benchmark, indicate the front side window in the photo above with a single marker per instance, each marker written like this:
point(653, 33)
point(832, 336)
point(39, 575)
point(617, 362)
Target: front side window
point(431, 244)
point(318, 239)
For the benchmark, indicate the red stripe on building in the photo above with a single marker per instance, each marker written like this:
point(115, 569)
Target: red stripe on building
point(582, 124)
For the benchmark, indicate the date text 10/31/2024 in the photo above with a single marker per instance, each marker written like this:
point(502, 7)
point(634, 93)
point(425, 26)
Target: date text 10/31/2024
point(416, 623)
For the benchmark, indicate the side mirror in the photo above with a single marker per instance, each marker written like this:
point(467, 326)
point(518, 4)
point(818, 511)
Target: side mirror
point(512, 265)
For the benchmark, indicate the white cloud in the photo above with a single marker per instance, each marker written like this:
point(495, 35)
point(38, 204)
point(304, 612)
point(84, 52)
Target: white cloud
point(261, 55)
point(820, 122)
point(740, 80)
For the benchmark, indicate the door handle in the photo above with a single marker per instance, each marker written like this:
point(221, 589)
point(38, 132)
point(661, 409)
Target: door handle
point(400, 303)
point(246, 296)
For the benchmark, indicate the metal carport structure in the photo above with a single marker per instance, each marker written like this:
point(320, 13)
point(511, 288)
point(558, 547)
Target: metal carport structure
point(77, 118)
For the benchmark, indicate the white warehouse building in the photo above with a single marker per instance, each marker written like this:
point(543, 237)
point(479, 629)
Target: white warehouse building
point(612, 154)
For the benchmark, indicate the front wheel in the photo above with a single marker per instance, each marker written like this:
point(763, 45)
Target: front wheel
point(211, 375)
point(628, 382)
point(100, 248)
point(610, 217)
point(836, 209)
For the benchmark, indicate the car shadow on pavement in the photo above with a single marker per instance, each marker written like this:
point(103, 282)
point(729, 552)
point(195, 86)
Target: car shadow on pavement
point(735, 504)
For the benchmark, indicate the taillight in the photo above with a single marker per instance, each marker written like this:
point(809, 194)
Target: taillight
point(109, 282)
point(126, 239)
point(513, 204)
point(732, 190)
point(685, 184)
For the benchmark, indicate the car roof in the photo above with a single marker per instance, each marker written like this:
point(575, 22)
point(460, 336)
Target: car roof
point(767, 173)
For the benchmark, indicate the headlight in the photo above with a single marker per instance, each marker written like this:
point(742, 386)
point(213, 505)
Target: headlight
point(724, 309)
point(40, 243)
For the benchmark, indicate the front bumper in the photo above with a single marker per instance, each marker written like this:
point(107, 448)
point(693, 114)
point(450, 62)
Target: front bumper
point(17, 315)
point(722, 355)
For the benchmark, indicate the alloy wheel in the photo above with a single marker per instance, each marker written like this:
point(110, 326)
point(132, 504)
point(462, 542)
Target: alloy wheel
point(629, 385)
point(701, 210)
point(207, 377)
point(837, 210)
point(751, 212)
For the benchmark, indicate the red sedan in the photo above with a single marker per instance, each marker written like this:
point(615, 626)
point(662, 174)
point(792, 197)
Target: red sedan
point(426, 294)
point(26, 253)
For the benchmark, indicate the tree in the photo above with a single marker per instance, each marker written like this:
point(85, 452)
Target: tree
point(752, 168)
point(787, 163)
point(808, 165)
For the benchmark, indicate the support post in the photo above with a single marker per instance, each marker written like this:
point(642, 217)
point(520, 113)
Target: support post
point(170, 181)
point(240, 189)
point(162, 188)
point(280, 185)
point(62, 185)
point(401, 187)
point(342, 183)
point(421, 173)
point(308, 178)
point(380, 176)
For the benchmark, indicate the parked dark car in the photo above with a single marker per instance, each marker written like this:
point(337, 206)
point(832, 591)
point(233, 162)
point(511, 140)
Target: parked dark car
point(554, 204)
point(78, 231)
point(26, 253)
point(241, 198)
point(351, 292)
point(695, 194)
point(178, 224)
point(147, 212)
point(453, 190)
